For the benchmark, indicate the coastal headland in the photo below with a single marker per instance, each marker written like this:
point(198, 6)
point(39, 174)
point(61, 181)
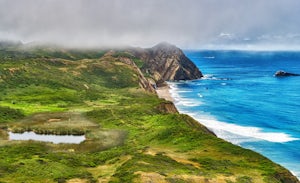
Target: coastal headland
point(111, 96)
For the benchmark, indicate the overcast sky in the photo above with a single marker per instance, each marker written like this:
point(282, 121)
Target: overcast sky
point(186, 23)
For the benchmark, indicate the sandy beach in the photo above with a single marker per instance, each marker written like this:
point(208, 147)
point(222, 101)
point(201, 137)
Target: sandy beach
point(163, 92)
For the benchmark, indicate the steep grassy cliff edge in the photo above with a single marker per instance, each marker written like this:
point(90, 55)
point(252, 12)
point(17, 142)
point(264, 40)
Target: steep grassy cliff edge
point(131, 134)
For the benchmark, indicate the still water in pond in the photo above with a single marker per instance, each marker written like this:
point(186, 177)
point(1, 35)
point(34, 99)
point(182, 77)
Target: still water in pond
point(56, 139)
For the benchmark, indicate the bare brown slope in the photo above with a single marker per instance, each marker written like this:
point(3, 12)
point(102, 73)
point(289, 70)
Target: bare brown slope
point(166, 62)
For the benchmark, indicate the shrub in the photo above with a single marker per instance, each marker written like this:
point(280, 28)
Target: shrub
point(9, 114)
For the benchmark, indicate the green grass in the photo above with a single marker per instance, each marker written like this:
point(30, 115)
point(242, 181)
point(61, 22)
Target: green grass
point(9, 114)
point(31, 108)
point(27, 164)
point(128, 133)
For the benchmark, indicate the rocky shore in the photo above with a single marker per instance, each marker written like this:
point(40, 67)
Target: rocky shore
point(163, 89)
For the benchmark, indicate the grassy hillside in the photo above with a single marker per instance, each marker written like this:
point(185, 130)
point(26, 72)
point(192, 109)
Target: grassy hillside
point(129, 137)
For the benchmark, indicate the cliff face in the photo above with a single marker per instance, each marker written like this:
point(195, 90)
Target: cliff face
point(166, 62)
point(143, 82)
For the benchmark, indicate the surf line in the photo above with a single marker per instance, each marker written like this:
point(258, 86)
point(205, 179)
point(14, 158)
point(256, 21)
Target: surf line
point(231, 132)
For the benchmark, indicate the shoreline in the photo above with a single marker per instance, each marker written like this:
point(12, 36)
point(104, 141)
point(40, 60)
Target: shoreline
point(163, 92)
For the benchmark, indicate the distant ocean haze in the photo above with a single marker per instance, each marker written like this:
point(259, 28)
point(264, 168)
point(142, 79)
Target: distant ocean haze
point(241, 100)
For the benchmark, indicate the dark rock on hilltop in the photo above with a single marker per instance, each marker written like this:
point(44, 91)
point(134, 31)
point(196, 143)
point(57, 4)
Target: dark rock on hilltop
point(283, 73)
point(166, 62)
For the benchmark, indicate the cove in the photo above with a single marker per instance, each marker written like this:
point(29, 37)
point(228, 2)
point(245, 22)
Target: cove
point(56, 139)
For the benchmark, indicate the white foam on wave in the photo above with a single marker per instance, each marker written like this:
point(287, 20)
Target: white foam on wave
point(207, 76)
point(297, 174)
point(189, 103)
point(185, 101)
point(174, 89)
point(212, 77)
point(231, 132)
point(209, 57)
point(199, 95)
point(238, 134)
point(181, 100)
point(174, 92)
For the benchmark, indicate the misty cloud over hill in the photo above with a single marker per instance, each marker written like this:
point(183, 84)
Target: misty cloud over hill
point(186, 23)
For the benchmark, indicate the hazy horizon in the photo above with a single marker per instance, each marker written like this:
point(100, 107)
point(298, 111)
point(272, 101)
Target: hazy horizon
point(196, 24)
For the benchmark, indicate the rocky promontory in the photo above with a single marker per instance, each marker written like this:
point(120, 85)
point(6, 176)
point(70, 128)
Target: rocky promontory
point(166, 62)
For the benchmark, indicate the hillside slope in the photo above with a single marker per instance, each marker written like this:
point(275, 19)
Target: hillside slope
point(130, 135)
point(166, 62)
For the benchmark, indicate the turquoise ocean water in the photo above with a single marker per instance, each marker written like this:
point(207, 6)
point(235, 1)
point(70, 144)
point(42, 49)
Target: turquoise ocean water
point(242, 102)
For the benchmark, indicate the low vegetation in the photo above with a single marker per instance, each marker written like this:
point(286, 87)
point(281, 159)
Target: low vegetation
point(129, 137)
point(9, 114)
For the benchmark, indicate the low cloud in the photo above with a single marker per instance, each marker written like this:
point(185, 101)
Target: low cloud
point(187, 23)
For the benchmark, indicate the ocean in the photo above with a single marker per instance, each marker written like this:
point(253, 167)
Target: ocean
point(241, 101)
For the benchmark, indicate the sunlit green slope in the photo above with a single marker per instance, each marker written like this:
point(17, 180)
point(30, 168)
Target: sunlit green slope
point(132, 136)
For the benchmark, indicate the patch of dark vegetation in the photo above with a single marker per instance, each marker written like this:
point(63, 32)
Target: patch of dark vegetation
point(159, 163)
point(123, 54)
point(9, 114)
point(219, 166)
point(176, 180)
point(18, 51)
point(244, 179)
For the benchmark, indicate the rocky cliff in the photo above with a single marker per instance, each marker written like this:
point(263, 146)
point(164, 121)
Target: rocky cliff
point(143, 82)
point(166, 62)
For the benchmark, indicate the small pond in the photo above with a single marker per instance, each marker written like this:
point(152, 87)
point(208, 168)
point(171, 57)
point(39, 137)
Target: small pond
point(56, 139)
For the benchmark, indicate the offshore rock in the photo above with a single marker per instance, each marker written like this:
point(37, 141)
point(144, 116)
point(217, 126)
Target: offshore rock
point(283, 73)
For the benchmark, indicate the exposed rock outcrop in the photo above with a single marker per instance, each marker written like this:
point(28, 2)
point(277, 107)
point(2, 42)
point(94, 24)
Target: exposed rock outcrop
point(143, 82)
point(166, 62)
point(283, 73)
point(167, 107)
